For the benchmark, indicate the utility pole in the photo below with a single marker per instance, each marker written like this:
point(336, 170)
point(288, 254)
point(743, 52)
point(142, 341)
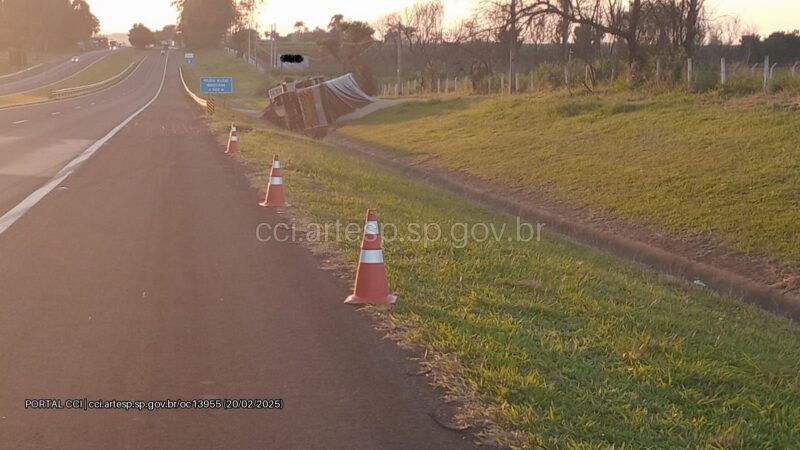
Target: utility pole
point(399, 46)
point(249, 38)
point(512, 51)
point(273, 48)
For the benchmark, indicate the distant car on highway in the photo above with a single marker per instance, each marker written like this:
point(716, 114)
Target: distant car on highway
point(75, 59)
point(163, 52)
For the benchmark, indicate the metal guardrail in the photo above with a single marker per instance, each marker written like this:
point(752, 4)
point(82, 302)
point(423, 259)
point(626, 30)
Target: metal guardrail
point(80, 90)
point(194, 96)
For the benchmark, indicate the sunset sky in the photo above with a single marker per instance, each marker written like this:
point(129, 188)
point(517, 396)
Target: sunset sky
point(116, 17)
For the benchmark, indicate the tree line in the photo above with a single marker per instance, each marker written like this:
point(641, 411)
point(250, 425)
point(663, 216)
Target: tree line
point(636, 33)
point(45, 24)
point(206, 23)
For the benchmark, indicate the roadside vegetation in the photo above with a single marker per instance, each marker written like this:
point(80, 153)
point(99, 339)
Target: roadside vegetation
point(249, 90)
point(692, 165)
point(557, 346)
point(101, 70)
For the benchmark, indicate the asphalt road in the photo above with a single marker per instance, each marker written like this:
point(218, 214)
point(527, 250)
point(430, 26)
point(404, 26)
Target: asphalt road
point(24, 82)
point(140, 278)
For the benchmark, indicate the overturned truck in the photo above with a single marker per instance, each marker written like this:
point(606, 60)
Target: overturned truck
point(311, 106)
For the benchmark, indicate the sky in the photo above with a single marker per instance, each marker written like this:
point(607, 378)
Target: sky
point(117, 16)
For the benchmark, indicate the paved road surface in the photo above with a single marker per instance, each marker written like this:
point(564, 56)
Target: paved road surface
point(140, 278)
point(54, 74)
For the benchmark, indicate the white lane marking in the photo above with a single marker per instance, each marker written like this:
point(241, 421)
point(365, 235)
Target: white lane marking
point(20, 210)
point(102, 57)
point(19, 122)
point(55, 113)
point(48, 103)
point(78, 107)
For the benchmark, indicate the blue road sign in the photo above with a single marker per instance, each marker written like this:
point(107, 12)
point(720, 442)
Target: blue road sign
point(216, 85)
point(189, 58)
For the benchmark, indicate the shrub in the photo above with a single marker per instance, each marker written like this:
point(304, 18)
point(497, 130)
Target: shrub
point(740, 86)
point(705, 80)
point(549, 76)
point(785, 83)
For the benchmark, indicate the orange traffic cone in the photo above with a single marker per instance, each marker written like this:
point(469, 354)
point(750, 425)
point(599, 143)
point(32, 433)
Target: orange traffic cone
point(275, 195)
point(233, 141)
point(371, 286)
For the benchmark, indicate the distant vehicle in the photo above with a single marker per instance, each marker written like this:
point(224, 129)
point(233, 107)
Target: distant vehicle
point(163, 52)
point(114, 48)
point(75, 59)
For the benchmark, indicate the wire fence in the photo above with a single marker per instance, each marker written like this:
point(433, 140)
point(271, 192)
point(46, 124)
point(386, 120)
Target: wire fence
point(728, 76)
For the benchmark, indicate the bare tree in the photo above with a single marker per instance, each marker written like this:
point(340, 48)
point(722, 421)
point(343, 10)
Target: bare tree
point(426, 19)
point(618, 18)
point(510, 21)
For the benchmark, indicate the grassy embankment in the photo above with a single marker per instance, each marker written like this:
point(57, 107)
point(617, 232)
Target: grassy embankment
point(249, 88)
point(100, 71)
point(34, 58)
point(690, 164)
point(563, 347)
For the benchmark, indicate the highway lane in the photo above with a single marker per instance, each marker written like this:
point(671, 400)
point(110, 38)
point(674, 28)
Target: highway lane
point(58, 72)
point(37, 141)
point(141, 278)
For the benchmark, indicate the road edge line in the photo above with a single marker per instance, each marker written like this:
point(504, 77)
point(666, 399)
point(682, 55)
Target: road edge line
point(16, 213)
point(66, 99)
point(61, 80)
point(9, 75)
point(89, 88)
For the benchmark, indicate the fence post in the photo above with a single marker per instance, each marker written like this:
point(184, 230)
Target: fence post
point(490, 85)
point(531, 85)
point(658, 71)
point(772, 70)
point(502, 84)
point(438, 85)
point(516, 82)
point(455, 83)
point(723, 74)
point(689, 70)
point(766, 73)
point(794, 69)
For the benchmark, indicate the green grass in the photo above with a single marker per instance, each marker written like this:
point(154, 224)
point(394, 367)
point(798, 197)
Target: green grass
point(564, 347)
point(571, 347)
point(249, 88)
point(102, 70)
point(692, 165)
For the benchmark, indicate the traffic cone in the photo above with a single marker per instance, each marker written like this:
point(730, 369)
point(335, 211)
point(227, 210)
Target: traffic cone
point(233, 141)
point(275, 195)
point(371, 286)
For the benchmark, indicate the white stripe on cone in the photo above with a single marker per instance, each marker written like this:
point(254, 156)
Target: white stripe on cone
point(276, 181)
point(372, 256)
point(234, 139)
point(276, 165)
point(371, 228)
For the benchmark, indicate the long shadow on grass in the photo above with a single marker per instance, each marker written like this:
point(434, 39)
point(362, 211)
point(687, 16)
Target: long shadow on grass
point(410, 111)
